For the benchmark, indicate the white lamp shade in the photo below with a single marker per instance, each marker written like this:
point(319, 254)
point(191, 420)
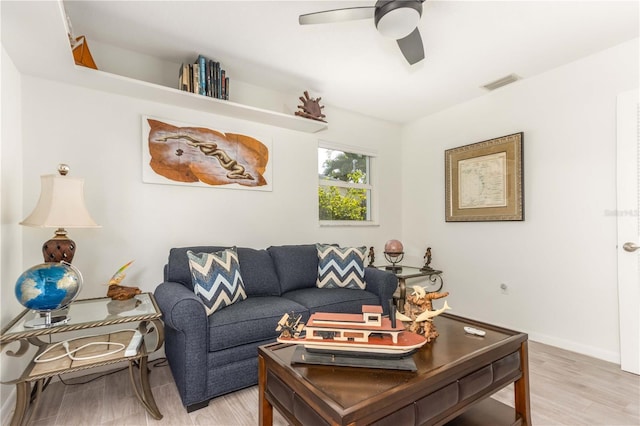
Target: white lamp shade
point(61, 205)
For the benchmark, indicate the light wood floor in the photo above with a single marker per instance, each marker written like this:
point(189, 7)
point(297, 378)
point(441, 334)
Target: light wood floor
point(566, 389)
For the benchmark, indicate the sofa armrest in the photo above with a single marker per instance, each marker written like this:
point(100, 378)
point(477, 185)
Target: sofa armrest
point(383, 284)
point(181, 308)
point(186, 339)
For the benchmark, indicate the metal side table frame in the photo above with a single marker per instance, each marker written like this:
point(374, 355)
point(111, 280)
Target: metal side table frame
point(85, 314)
point(404, 273)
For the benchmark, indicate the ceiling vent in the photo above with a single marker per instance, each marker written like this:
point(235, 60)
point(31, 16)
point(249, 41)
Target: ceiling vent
point(501, 82)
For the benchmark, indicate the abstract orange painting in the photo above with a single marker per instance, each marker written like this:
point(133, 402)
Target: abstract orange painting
point(186, 154)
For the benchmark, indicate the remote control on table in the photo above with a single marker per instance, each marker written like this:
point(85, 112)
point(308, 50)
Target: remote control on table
point(134, 344)
point(475, 331)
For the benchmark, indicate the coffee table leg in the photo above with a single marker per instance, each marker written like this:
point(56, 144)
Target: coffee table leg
point(265, 409)
point(522, 401)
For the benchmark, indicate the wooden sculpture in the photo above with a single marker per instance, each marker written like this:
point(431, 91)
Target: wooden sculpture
point(117, 291)
point(311, 108)
point(418, 311)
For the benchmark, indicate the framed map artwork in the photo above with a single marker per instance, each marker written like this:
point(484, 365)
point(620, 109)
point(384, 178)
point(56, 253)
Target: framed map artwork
point(185, 154)
point(484, 181)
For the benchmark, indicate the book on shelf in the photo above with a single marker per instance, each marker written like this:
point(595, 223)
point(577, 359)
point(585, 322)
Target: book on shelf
point(202, 67)
point(183, 78)
point(222, 77)
point(205, 77)
point(196, 78)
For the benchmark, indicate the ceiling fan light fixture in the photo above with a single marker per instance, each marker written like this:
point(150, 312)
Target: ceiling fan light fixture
point(397, 19)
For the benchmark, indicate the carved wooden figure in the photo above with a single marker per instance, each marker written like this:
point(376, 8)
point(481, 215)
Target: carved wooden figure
point(118, 291)
point(419, 312)
point(311, 108)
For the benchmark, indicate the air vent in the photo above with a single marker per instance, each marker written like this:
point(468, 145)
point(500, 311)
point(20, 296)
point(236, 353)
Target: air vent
point(501, 82)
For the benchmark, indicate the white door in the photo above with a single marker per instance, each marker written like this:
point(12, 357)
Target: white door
point(628, 214)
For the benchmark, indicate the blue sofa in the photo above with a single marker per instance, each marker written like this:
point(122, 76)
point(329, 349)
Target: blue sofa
point(213, 355)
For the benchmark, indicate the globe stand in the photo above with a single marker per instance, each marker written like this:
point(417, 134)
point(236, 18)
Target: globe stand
point(393, 258)
point(45, 319)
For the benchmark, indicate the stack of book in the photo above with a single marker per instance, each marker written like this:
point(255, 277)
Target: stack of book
point(204, 77)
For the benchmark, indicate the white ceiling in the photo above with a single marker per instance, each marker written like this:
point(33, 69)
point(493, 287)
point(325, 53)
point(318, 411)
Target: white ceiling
point(349, 64)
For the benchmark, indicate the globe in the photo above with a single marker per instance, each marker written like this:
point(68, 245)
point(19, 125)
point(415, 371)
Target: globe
point(393, 247)
point(48, 286)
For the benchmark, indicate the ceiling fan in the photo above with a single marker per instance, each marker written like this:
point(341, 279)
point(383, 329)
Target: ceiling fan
point(396, 19)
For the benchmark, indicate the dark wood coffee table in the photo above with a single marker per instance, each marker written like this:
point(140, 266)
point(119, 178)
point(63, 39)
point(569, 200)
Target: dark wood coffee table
point(456, 375)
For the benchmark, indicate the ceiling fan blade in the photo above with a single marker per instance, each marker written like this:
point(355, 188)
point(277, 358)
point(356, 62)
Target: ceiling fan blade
point(337, 15)
point(411, 47)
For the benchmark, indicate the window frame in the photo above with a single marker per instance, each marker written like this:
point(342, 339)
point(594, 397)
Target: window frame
point(371, 186)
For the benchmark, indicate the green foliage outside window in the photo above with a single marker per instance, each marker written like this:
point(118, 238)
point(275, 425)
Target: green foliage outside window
point(345, 164)
point(339, 203)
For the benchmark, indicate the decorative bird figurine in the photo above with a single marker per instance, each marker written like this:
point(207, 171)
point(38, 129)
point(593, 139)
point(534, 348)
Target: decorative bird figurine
point(117, 291)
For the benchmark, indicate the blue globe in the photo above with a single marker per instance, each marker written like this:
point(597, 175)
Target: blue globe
point(48, 286)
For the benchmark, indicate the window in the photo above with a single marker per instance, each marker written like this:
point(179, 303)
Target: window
point(345, 191)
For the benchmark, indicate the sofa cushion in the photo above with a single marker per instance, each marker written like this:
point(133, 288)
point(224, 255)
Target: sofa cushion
point(332, 299)
point(258, 272)
point(296, 266)
point(216, 278)
point(252, 320)
point(340, 267)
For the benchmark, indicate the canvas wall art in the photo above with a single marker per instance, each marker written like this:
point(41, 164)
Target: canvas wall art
point(184, 154)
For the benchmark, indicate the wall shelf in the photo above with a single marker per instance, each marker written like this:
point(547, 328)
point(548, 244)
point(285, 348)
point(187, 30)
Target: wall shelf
point(39, 47)
point(113, 83)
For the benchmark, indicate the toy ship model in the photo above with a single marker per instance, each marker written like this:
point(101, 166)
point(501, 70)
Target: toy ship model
point(366, 334)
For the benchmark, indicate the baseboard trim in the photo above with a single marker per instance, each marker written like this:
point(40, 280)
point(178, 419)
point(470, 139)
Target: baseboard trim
point(568, 345)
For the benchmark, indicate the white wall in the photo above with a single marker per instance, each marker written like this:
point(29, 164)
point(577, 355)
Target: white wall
point(560, 263)
point(11, 208)
point(99, 135)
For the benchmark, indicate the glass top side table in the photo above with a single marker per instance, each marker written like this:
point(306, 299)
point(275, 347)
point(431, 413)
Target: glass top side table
point(403, 273)
point(85, 314)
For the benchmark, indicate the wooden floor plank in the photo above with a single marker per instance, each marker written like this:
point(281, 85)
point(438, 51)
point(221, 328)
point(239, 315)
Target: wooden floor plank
point(566, 389)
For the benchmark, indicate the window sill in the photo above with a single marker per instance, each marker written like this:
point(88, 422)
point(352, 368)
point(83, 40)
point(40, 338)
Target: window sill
point(347, 223)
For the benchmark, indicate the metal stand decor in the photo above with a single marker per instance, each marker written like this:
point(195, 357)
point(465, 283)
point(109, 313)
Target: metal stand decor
point(394, 253)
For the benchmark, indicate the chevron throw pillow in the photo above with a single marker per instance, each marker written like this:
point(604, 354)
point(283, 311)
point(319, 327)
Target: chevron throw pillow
point(216, 278)
point(340, 267)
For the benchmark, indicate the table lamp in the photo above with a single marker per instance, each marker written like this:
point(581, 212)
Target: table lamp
point(61, 205)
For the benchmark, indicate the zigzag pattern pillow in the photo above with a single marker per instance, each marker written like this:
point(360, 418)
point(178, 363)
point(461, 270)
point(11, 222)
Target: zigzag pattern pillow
point(340, 267)
point(216, 278)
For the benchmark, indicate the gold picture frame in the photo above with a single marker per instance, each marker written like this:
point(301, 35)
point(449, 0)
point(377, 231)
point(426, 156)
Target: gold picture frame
point(484, 181)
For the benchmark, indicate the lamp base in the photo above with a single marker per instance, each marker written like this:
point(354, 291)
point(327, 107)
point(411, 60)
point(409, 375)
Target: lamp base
point(59, 248)
point(45, 319)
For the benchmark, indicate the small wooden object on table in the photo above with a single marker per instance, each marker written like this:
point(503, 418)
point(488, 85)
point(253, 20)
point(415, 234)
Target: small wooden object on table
point(85, 314)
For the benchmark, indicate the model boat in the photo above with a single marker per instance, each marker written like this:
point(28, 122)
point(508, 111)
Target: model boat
point(365, 334)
